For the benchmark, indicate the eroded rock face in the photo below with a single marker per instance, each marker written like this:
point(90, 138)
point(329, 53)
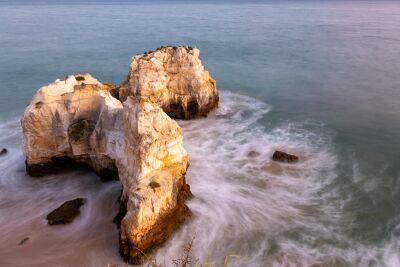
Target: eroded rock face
point(75, 118)
point(153, 177)
point(175, 79)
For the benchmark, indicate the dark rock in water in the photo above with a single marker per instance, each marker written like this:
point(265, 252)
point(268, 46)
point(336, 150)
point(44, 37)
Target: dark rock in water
point(253, 154)
point(284, 157)
point(23, 241)
point(3, 151)
point(66, 213)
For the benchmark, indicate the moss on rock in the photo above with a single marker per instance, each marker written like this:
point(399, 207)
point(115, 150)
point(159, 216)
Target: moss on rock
point(79, 130)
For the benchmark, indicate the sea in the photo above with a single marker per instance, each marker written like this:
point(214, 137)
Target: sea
point(318, 79)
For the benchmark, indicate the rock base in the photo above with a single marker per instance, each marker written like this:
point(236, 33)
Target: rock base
point(191, 109)
point(54, 166)
point(135, 253)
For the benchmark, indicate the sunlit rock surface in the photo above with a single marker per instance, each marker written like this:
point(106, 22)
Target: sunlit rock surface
point(75, 118)
point(175, 79)
point(153, 177)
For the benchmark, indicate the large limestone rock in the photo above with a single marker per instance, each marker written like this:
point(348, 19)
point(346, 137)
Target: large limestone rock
point(175, 79)
point(78, 120)
point(75, 118)
point(153, 177)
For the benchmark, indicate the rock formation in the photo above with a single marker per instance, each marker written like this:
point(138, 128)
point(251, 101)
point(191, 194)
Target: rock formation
point(175, 79)
point(125, 136)
point(75, 118)
point(153, 177)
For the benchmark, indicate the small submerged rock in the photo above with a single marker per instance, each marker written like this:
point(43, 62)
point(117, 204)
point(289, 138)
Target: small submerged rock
point(66, 213)
point(53, 166)
point(284, 157)
point(253, 154)
point(23, 241)
point(3, 151)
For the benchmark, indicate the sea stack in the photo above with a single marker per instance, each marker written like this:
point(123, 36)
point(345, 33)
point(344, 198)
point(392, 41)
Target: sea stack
point(126, 133)
point(153, 178)
point(175, 79)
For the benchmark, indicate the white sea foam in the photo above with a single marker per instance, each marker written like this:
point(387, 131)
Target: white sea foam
point(247, 208)
point(250, 206)
point(260, 212)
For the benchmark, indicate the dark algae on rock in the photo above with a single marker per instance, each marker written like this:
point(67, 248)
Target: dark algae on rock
point(79, 130)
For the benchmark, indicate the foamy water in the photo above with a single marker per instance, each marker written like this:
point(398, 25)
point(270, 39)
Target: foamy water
point(247, 209)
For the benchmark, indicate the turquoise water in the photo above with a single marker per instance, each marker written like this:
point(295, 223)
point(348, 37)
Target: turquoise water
point(321, 79)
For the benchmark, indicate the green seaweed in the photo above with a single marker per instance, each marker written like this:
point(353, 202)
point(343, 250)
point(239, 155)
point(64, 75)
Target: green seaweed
point(79, 130)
